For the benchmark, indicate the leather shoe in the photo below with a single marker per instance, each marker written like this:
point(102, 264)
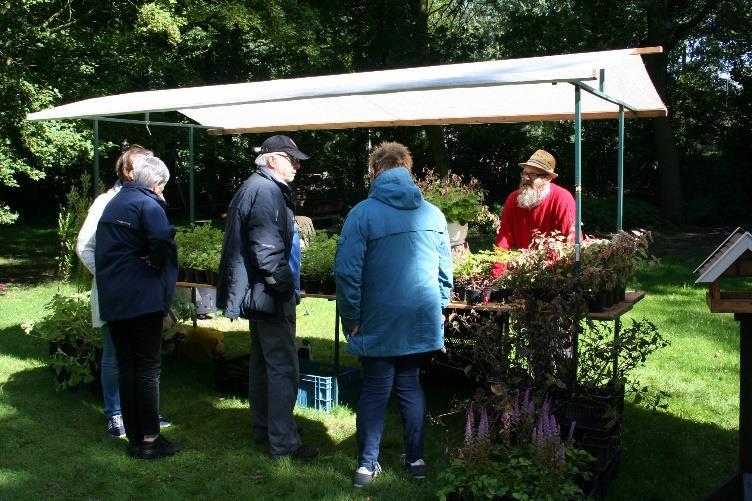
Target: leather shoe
point(159, 448)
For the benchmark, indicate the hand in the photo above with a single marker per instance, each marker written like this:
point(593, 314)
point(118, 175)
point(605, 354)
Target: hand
point(352, 330)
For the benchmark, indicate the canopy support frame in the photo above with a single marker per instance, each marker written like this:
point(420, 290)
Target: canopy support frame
point(147, 123)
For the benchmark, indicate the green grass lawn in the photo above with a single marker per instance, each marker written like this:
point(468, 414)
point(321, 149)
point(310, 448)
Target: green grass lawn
point(53, 444)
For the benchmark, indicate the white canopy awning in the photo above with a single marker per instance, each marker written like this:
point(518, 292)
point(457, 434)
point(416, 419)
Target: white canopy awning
point(512, 90)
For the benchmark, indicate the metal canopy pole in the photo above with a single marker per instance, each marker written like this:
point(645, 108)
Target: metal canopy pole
point(577, 176)
point(620, 194)
point(191, 186)
point(95, 178)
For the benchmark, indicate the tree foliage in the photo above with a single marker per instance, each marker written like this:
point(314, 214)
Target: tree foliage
point(58, 51)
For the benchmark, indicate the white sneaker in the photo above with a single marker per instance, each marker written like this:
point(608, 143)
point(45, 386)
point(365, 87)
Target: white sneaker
point(417, 469)
point(363, 476)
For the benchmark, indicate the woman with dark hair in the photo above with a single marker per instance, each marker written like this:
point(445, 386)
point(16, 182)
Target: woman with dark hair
point(136, 271)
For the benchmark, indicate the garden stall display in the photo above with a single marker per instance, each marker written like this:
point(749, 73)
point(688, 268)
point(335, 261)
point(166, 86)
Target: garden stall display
point(594, 85)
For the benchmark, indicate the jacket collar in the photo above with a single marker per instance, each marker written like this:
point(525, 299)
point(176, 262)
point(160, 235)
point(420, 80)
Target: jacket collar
point(286, 189)
point(131, 186)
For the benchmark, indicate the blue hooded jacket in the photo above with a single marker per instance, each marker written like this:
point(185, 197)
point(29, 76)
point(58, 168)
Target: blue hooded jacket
point(394, 270)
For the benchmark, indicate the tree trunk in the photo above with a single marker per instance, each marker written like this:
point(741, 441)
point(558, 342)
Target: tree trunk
point(435, 133)
point(663, 139)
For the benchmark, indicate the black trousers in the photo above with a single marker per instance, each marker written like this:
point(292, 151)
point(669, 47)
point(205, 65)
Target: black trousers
point(138, 346)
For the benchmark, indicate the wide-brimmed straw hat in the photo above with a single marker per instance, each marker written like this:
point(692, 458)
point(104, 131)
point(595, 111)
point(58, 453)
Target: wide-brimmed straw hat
point(542, 160)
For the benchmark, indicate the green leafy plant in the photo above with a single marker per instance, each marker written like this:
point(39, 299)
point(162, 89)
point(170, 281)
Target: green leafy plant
point(548, 265)
point(475, 269)
point(75, 345)
point(459, 201)
point(69, 222)
point(635, 343)
point(608, 264)
point(520, 455)
point(317, 261)
point(199, 247)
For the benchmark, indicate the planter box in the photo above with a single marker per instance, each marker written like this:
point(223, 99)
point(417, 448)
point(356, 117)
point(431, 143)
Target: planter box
point(318, 387)
point(597, 431)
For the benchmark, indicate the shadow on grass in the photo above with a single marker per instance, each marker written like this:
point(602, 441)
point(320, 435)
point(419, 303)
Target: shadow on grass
point(16, 343)
point(27, 254)
point(669, 458)
point(54, 445)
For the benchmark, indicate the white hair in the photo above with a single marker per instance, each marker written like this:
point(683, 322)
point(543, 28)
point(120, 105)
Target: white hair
point(149, 170)
point(262, 159)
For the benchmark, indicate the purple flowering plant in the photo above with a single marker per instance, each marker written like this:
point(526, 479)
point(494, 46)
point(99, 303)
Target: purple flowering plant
point(515, 451)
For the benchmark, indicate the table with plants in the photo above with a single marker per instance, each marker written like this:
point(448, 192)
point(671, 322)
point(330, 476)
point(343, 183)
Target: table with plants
point(551, 367)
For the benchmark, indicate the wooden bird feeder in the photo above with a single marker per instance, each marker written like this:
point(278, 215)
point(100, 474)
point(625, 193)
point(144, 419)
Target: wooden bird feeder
point(733, 258)
point(729, 263)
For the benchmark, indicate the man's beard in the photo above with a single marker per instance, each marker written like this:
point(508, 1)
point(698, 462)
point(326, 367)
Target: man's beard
point(529, 196)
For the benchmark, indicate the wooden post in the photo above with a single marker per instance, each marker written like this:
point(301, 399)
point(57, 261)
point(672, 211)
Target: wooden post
point(745, 393)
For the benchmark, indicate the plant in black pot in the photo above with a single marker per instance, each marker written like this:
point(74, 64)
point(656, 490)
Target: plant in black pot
point(317, 263)
point(474, 273)
point(199, 252)
point(605, 377)
point(75, 346)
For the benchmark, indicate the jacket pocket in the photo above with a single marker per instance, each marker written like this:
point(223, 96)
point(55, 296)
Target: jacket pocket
point(257, 299)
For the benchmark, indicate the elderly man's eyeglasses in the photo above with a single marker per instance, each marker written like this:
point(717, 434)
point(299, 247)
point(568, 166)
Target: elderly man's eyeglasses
point(294, 161)
point(531, 175)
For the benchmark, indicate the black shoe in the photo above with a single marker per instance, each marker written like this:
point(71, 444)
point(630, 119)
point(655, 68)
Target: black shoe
point(302, 452)
point(133, 448)
point(161, 447)
point(305, 452)
point(417, 469)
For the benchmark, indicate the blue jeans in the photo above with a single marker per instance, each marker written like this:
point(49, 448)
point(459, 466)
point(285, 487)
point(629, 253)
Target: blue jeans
point(110, 385)
point(380, 374)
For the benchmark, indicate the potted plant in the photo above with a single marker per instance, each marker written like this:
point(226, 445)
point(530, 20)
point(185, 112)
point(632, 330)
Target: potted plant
point(516, 451)
point(629, 250)
point(460, 202)
point(541, 271)
point(607, 266)
point(317, 263)
point(199, 252)
point(594, 272)
point(75, 346)
point(472, 275)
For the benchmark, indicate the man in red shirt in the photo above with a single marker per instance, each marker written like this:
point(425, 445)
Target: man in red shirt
point(537, 205)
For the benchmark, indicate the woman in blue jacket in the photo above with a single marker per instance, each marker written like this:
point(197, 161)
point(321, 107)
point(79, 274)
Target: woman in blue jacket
point(136, 270)
point(394, 277)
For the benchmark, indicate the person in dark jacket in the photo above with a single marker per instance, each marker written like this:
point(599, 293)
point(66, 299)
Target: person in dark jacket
point(394, 276)
point(136, 271)
point(257, 283)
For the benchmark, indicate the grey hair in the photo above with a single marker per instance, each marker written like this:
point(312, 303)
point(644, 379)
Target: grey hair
point(149, 170)
point(262, 159)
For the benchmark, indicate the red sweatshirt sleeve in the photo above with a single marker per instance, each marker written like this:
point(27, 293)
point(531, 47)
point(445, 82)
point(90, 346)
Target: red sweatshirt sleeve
point(565, 213)
point(504, 238)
